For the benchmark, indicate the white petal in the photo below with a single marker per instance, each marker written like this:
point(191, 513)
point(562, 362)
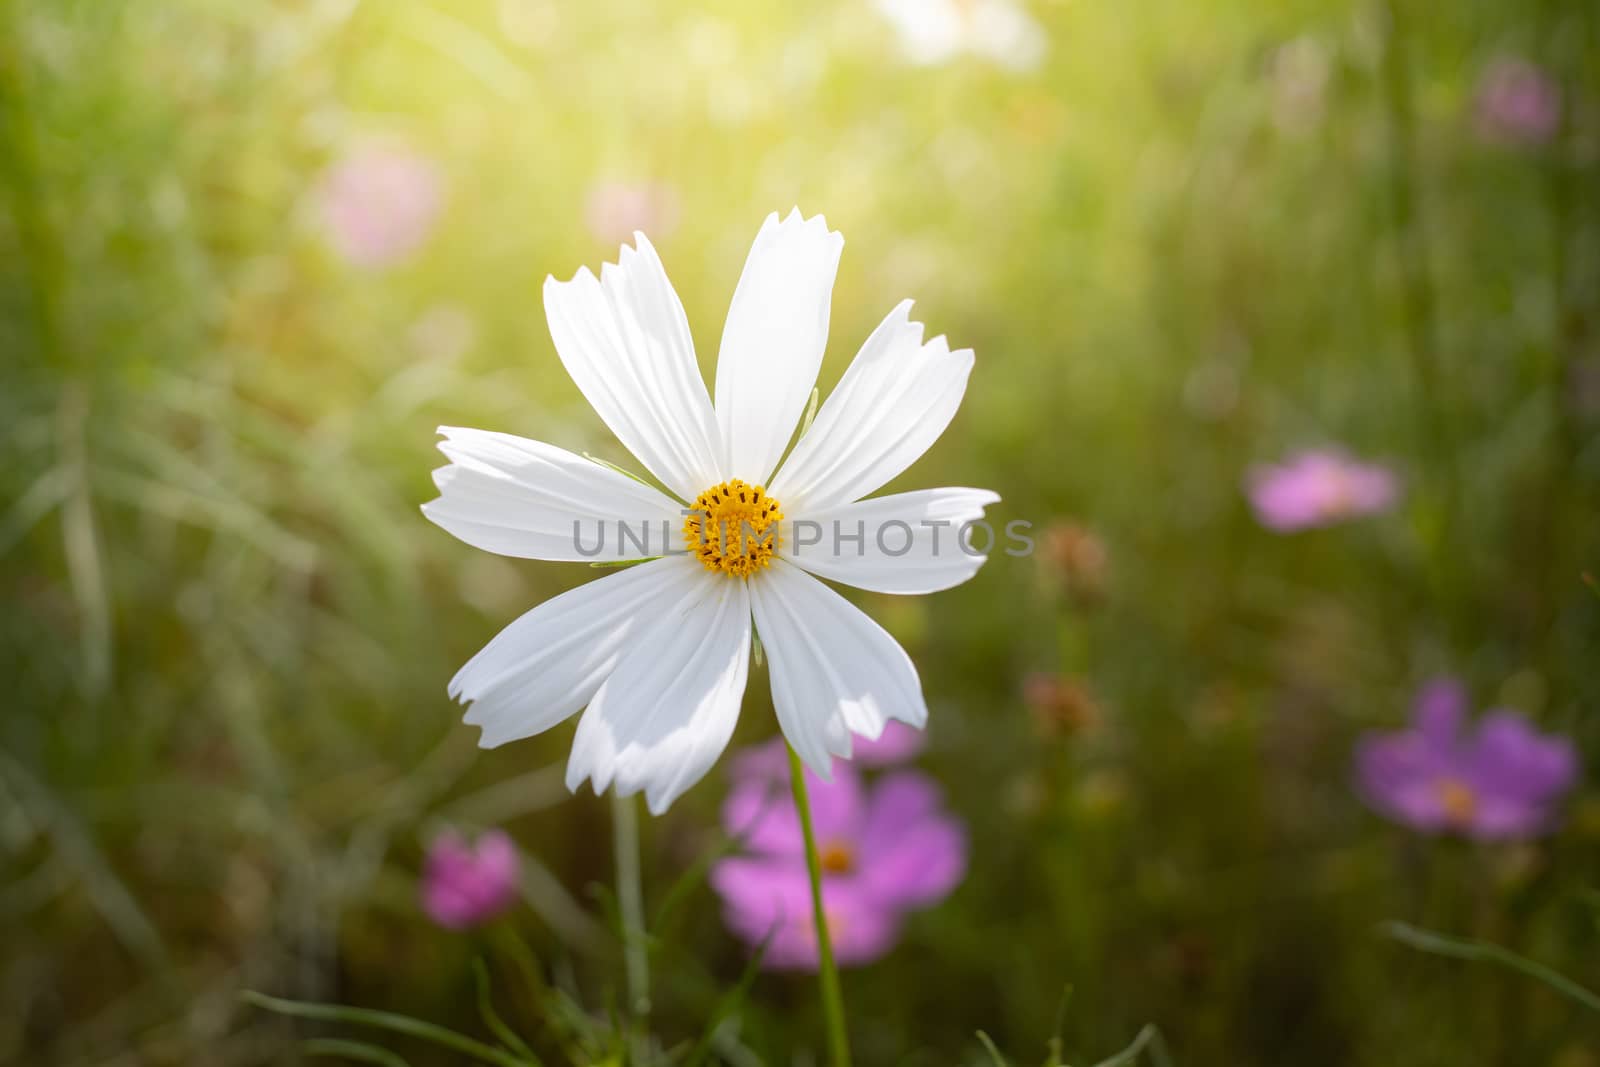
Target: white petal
point(902, 543)
point(549, 663)
point(525, 498)
point(625, 341)
point(667, 711)
point(835, 672)
point(893, 402)
point(773, 341)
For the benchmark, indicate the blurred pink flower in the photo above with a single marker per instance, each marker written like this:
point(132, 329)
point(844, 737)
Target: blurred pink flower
point(1319, 488)
point(1518, 102)
point(468, 884)
point(1060, 706)
point(380, 203)
point(884, 850)
point(897, 744)
point(1076, 560)
point(1502, 780)
point(615, 209)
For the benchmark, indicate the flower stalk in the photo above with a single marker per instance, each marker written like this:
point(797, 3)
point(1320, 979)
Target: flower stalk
point(630, 904)
point(828, 972)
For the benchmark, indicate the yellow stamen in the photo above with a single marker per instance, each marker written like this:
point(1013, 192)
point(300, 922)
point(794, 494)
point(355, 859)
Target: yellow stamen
point(1457, 800)
point(733, 528)
point(838, 858)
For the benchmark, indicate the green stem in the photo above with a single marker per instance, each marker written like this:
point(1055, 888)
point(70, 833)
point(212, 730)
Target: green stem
point(832, 999)
point(630, 900)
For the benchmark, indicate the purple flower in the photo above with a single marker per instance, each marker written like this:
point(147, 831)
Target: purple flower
point(1501, 780)
point(1518, 102)
point(1319, 488)
point(468, 884)
point(885, 850)
point(380, 203)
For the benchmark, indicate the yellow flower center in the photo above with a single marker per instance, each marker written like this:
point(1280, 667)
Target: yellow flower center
point(838, 858)
point(732, 528)
point(1457, 800)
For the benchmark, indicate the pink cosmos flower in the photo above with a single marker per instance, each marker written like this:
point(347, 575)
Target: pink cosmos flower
point(468, 884)
point(1320, 488)
point(380, 203)
point(1518, 102)
point(897, 744)
point(885, 850)
point(616, 209)
point(1502, 780)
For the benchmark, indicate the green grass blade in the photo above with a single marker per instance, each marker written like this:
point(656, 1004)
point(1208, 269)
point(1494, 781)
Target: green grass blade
point(1479, 951)
point(678, 892)
point(993, 1050)
point(1053, 1046)
point(1147, 1038)
point(356, 1051)
point(383, 1020)
point(491, 1018)
point(728, 1004)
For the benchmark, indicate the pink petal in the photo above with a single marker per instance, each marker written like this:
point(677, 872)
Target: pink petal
point(772, 898)
point(896, 744)
point(760, 809)
point(912, 854)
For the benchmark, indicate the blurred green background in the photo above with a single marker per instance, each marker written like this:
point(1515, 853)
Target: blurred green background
point(1190, 238)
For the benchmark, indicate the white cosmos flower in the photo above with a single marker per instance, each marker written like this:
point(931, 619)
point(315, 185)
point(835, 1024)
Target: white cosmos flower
point(659, 652)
